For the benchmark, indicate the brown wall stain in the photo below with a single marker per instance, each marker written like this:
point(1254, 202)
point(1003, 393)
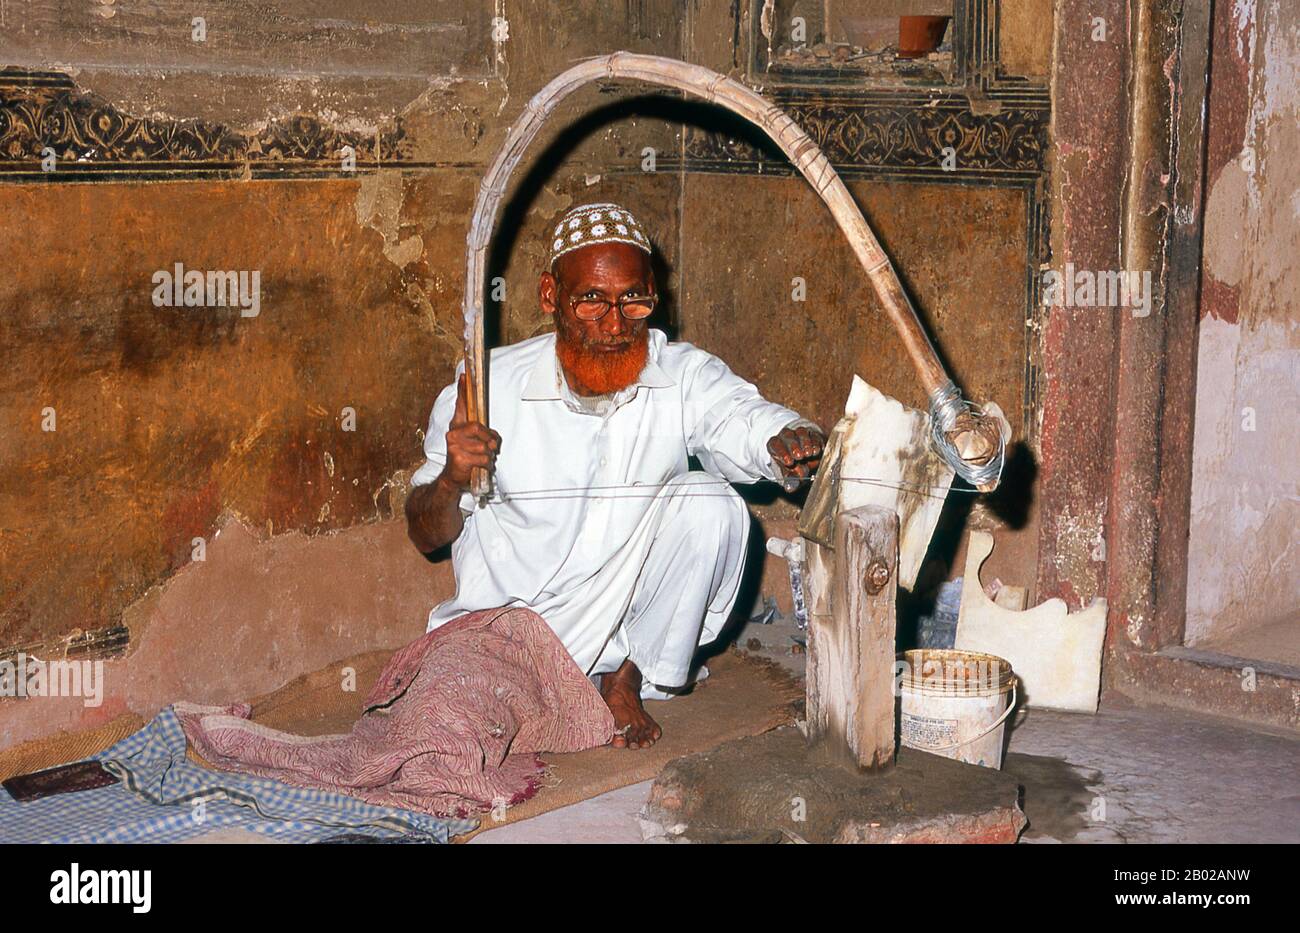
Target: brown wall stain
point(164, 413)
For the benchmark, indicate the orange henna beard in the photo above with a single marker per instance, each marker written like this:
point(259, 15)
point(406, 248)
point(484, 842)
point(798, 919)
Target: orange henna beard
point(599, 372)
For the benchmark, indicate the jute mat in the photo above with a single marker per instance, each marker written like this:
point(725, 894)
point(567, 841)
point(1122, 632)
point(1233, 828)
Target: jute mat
point(743, 696)
point(64, 747)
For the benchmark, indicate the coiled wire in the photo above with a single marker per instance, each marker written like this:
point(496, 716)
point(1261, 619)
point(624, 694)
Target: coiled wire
point(946, 406)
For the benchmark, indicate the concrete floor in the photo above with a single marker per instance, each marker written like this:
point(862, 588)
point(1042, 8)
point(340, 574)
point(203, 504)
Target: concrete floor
point(1171, 776)
point(1146, 775)
point(1140, 775)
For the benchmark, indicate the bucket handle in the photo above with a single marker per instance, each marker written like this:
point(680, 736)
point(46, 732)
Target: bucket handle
point(997, 722)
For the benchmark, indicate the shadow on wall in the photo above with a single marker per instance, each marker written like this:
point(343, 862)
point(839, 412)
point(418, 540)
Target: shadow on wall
point(1011, 506)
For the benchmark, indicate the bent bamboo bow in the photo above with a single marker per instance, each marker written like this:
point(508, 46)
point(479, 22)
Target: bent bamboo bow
point(971, 441)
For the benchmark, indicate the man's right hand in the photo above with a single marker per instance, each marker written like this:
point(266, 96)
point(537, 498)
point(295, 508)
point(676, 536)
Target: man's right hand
point(469, 444)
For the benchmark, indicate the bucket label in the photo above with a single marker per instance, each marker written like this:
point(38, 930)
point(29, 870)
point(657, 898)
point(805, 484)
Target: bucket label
point(924, 732)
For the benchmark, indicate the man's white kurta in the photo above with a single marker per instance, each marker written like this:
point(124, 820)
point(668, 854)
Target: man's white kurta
point(578, 496)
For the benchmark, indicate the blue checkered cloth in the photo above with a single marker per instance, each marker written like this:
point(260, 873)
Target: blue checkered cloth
point(165, 797)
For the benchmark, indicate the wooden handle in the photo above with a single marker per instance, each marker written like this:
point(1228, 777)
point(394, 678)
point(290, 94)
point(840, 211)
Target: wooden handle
point(480, 481)
point(734, 96)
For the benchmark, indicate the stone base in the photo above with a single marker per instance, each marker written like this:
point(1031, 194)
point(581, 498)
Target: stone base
point(772, 788)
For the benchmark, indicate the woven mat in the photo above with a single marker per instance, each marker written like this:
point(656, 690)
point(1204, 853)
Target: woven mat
point(63, 747)
point(743, 696)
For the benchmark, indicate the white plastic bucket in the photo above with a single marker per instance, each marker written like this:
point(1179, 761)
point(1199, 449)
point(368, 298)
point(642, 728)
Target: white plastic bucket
point(956, 703)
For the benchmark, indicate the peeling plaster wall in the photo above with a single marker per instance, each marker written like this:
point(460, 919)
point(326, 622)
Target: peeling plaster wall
point(1109, 381)
point(165, 417)
point(257, 612)
point(1244, 554)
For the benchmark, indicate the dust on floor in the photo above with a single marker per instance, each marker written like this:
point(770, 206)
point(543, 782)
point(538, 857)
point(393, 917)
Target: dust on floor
point(1141, 775)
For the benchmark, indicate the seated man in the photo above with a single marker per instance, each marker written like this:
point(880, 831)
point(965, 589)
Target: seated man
point(596, 521)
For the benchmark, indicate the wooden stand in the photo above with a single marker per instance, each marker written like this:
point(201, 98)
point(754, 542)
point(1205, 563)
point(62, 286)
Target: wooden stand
point(851, 594)
point(741, 790)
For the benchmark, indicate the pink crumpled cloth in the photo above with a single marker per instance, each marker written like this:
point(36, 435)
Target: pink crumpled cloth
point(452, 727)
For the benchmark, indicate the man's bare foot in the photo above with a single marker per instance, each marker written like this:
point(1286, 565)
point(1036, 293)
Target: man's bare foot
point(622, 693)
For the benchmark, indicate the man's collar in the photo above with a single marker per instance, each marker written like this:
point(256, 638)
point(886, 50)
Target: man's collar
point(542, 383)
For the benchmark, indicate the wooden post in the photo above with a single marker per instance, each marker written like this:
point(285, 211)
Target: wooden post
point(852, 594)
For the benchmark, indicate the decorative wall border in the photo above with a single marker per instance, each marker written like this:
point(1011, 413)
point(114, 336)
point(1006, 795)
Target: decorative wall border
point(94, 141)
point(897, 134)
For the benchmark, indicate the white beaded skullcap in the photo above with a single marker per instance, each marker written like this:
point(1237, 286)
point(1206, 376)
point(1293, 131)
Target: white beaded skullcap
point(590, 224)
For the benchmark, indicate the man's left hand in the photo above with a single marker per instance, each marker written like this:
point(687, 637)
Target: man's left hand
point(798, 451)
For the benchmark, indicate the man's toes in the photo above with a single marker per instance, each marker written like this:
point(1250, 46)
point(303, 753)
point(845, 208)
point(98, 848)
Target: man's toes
point(619, 741)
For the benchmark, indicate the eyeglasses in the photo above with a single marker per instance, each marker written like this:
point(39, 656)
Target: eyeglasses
point(632, 307)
